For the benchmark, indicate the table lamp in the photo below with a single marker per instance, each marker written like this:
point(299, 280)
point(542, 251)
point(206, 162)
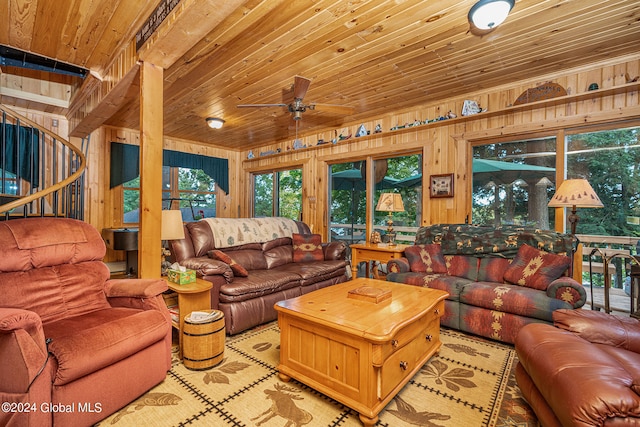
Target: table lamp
point(576, 193)
point(390, 202)
point(172, 229)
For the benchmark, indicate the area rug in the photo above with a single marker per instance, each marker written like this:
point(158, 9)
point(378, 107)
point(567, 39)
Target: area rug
point(469, 383)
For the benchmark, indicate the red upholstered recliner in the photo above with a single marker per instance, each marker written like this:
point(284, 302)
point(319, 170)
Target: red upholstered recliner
point(585, 371)
point(75, 346)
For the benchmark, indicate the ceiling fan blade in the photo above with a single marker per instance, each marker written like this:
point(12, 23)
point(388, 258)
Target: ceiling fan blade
point(300, 87)
point(333, 108)
point(260, 105)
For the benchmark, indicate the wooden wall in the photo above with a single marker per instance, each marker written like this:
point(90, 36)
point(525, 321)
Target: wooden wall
point(446, 145)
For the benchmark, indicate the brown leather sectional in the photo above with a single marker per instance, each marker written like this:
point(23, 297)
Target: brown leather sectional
point(272, 274)
point(585, 371)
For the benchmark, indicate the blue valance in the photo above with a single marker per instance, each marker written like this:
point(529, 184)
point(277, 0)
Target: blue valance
point(125, 164)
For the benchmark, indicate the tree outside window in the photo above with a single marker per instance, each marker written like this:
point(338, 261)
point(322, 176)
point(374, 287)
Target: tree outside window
point(190, 190)
point(278, 193)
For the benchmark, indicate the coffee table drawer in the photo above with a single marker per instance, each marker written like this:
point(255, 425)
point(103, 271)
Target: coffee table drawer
point(406, 335)
point(405, 360)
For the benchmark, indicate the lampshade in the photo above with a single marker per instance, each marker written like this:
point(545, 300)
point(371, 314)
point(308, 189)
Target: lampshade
point(172, 228)
point(214, 122)
point(488, 14)
point(390, 202)
point(575, 193)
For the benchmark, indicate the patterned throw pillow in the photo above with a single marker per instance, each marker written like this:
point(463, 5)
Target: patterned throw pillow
point(535, 269)
point(307, 247)
point(238, 270)
point(426, 258)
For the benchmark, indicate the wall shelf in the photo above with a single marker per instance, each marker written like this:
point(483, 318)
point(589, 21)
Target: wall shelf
point(566, 99)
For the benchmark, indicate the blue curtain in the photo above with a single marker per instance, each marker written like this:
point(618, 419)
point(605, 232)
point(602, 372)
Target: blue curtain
point(125, 164)
point(20, 152)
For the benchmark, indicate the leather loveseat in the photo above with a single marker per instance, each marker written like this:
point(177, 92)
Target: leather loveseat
point(255, 262)
point(498, 280)
point(585, 371)
point(75, 345)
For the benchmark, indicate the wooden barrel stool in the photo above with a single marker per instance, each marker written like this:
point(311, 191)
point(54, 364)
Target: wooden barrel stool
point(203, 341)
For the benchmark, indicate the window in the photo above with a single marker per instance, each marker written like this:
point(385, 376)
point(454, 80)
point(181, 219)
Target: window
point(348, 197)
point(191, 190)
point(513, 183)
point(610, 161)
point(278, 193)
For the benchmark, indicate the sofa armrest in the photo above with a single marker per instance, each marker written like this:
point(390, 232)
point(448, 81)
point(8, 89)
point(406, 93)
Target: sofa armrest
point(568, 290)
point(205, 266)
point(23, 349)
point(334, 251)
point(136, 288)
point(398, 265)
point(600, 328)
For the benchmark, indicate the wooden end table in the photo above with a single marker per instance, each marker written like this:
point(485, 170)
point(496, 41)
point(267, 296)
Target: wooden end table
point(191, 297)
point(373, 252)
point(359, 352)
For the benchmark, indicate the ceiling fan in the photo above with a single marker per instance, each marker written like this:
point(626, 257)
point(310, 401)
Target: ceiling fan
point(297, 107)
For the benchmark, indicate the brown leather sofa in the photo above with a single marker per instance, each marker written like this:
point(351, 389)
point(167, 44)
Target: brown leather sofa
point(75, 346)
point(272, 273)
point(585, 371)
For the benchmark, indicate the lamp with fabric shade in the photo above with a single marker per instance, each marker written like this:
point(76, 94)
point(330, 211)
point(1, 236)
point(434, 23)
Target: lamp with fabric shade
point(171, 229)
point(575, 193)
point(390, 202)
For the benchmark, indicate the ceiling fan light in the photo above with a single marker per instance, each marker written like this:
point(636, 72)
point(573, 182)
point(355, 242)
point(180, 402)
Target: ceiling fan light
point(214, 122)
point(488, 14)
point(297, 115)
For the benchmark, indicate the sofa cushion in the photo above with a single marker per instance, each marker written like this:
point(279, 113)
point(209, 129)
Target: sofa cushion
point(313, 272)
point(307, 248)
point(238, 270)
point(492, 269)
point(426, 258)
point(462, 266)
point(84, 344)
point(279, 256)
point(513, 299)
point(250, 259)
point(535, 269)
point(258, 284)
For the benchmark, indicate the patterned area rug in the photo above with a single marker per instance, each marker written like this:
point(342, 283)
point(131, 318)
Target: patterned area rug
point(469, 383)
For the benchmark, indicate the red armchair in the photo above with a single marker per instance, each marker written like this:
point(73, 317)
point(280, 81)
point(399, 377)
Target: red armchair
point(583, 372)
point(75, 346)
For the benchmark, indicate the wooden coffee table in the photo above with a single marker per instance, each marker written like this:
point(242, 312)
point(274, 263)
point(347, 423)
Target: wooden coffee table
point(355, 350)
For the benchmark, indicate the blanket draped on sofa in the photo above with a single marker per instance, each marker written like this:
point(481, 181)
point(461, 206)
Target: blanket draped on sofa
point(228, 232)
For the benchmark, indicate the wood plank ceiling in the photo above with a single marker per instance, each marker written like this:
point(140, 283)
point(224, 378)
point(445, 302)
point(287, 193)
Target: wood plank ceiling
point(376, 56)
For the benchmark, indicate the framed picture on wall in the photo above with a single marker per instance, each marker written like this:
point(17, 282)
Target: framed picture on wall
point(441, 185)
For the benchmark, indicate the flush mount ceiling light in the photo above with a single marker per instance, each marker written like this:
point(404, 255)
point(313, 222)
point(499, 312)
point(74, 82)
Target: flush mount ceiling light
point(214, 122)
point(488, 14)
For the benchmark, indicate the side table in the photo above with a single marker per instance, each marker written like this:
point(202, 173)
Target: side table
point(373, 252)
point(191, 297)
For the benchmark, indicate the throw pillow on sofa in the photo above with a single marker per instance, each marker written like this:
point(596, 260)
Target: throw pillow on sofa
point(238, 270)
point(426, 258)
point(535, 269)
point(307, 247)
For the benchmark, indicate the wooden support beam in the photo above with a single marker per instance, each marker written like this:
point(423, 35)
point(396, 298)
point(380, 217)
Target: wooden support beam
point(149, 243)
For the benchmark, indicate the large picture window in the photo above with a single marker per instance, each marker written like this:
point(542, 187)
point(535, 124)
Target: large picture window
point(190, 190)
point(278, 193)
point(513, 182)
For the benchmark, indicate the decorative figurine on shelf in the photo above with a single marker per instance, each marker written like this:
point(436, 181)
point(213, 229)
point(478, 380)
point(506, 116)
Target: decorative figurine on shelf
point(250, 155)
point(470, 108)
point(378, 128)
point(451, 115)
point(361, 131)
point(297, 144)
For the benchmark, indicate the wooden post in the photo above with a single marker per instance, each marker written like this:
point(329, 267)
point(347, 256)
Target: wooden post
point(151, 132)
